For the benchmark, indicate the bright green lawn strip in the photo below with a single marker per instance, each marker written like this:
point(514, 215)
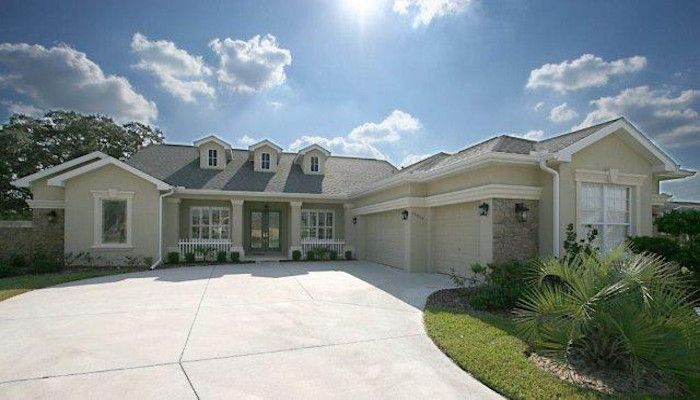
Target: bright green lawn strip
point(19, 284)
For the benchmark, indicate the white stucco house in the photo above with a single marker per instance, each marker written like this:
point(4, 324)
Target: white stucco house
point(505, 198)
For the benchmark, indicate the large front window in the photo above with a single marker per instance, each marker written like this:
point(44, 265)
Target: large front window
point(210, 223)
point(114, 221)
point(317, 224)
point(605, 208)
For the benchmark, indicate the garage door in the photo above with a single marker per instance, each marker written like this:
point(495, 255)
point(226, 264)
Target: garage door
point(455, 238)
point(384, 238)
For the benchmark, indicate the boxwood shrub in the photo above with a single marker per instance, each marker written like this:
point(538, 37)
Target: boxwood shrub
point(221, 256)
point(173, 257)
point(189, 258)
point(296, 255)
point(235, 257)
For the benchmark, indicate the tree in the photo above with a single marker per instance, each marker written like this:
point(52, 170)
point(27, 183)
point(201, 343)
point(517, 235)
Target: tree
point(29, 144)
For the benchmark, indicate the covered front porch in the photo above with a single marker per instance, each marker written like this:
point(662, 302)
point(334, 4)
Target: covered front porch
point(255, 228)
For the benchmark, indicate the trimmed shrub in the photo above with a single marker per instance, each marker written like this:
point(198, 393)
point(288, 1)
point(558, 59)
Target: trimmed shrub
point(320, 252)
point(348, 255)
point(189, 258)
point(503, 286)
point(333, 255)
point(45, 264)
point(296, 255)
point(311, 255)
point(221, 256)
point(148, 262)
point(235, 257)
point(173, 257)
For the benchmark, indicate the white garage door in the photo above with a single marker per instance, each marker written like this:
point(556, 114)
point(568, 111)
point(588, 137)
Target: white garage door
point(455, 238)
point(384, 238)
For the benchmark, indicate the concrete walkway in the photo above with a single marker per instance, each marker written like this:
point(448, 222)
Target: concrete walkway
point(341, 330)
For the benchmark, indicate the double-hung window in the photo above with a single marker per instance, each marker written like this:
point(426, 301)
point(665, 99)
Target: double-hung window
point(265, 161)
point(210, 223)
point(605, 208)
point(314, 164)
point(317, 224)
point(213, 158)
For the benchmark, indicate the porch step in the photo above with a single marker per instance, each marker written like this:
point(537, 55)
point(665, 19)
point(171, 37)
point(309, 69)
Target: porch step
point(266, 258)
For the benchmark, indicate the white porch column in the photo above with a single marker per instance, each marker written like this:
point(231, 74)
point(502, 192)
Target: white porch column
point(237, 226)
point(294, 226)
point(171, 225)
point(350, 233)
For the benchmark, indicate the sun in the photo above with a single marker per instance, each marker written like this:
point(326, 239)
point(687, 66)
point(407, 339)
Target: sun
point(362, 8)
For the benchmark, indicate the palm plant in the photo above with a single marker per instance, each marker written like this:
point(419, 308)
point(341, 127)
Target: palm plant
point(622, 310)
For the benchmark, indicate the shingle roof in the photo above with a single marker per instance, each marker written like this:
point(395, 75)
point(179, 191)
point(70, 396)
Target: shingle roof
point(178, 165)
point(559, 142)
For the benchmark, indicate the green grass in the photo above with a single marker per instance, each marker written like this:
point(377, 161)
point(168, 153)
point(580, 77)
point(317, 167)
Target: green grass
point(19, 284)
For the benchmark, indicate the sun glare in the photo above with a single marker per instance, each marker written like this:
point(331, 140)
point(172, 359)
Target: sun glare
point(362, 8)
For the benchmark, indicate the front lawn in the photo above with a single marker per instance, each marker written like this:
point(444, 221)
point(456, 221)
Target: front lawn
point(19, 284)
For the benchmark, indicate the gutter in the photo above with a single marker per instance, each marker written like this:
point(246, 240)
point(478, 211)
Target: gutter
point(160, 227)
point(555, 203)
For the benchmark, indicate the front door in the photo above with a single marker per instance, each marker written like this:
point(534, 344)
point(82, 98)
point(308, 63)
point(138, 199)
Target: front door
point(264, 231)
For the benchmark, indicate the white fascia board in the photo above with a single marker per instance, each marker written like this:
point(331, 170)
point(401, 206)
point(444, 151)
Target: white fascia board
point(451, 169)
point(26, 181)
point(265, 142)
point(566, 153)
point(236, 193)
point(314, 146)
point(61, 179)
point(212, 138)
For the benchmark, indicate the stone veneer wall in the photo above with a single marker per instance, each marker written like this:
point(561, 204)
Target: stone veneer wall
point(24, 239)
point(512, 239)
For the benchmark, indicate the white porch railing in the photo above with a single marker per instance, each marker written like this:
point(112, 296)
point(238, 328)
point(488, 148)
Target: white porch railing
point(337, 245)
point(197, 245)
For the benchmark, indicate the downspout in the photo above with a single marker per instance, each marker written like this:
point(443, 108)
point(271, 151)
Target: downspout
point(555, 205)
point(160, 227)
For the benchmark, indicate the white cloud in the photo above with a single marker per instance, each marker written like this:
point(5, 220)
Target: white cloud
point(22, 108)
point(670, 120)
point(246, 141)
point(63, 78)
point(529, 135)
point(180, 73)
point(363, 141)
point(424, 11)
point(276, 105)
point(562, 113)
point(253, 65)
point(539, 106)
point(413, 158)
point(584, 72)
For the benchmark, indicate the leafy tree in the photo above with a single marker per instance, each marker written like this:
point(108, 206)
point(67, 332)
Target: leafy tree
point(29, 144)
point(676, 223)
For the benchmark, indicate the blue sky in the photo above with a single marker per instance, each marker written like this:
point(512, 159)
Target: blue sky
point(396, 78)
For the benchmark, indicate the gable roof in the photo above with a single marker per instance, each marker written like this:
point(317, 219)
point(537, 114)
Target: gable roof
point(26, 181)
point(314, 146)
point(262, 143)
point(178, 165)
point(60, 180)
point(212, 138)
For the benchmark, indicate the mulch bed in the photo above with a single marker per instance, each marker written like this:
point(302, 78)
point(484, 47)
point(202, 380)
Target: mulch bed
point(609, 381)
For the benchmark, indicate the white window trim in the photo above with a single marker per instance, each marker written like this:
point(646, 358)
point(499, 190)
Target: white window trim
point(633, 219)
point(112, 194)
point(262, 161)
point(192, 209)
point(318, 164)
point(318, 210)
point(213, 157)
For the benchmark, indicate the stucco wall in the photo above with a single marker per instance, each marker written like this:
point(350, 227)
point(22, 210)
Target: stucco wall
point(405, 190)
point(80, 213)
point(496, 174)
point(204, 155)
point(41, 191)
point(257, 157)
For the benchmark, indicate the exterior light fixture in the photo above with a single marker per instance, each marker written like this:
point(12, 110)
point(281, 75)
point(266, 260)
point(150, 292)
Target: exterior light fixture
point(404, 214)
point(484, 209)
point(521, 211)
point(354, 220)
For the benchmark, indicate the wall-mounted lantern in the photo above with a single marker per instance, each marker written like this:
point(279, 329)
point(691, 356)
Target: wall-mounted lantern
point(354, 220)
point(521, 211)
point(404, 214)
point(51, 216)
point(484, 209)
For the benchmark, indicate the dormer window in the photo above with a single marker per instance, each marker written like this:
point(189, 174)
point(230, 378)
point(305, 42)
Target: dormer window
point(265, 161)
point(314, 164)
point(213, 158)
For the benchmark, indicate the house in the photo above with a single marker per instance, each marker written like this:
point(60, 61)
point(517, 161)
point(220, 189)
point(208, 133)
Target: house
point(505, 198)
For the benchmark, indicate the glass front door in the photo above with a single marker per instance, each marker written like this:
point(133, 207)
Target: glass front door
point(265, 231)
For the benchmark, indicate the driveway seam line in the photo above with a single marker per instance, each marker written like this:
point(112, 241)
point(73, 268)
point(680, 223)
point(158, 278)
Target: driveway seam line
point(304, 348)
point(196, 313)
point(298, 283)
point(182, 367)
point(94, 314)
point(367, 306)
point(99, 371)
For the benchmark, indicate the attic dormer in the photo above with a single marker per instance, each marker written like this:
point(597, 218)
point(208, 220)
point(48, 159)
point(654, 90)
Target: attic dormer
point(213, 152)
point(313, 159)
point(265, 156)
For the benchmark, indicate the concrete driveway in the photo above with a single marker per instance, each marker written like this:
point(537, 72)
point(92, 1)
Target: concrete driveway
point(342, 330)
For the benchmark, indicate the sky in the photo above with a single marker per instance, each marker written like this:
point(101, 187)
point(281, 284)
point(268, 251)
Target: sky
point(392, 79)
